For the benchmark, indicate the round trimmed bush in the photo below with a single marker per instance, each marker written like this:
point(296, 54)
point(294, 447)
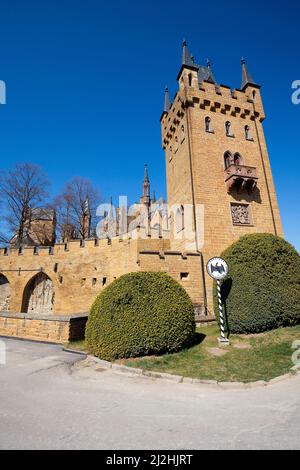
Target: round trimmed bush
point(262, 290)
point(138, 314)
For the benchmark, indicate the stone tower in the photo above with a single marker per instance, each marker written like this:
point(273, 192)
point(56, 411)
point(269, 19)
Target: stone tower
point(216, 156)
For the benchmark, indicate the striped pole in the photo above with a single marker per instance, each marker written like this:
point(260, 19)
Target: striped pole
point(222, 324)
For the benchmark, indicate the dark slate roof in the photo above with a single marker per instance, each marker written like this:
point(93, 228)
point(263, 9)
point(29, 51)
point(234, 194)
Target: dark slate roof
point(167, 102)
point(246, 77)
point(186, 56)
point(204, 73)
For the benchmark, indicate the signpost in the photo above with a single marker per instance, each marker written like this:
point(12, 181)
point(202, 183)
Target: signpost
point(217, 268)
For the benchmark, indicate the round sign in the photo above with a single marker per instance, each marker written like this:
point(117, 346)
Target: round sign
point(217, 268)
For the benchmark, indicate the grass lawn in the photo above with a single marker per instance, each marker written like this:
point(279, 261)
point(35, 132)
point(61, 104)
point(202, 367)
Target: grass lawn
point(248, 357)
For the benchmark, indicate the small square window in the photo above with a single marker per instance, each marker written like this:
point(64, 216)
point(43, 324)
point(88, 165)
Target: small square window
point(184, 276)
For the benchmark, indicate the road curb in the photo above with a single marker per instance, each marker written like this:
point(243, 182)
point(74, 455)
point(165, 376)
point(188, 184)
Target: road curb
point(75, 351)
point(131, 371)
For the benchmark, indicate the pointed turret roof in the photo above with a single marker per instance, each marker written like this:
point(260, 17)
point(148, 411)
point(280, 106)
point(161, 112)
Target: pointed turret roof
point(187, 58)
point(167, 102)
point(210, 77)
point(204, 73)
point(246, 77)
point(146, 176)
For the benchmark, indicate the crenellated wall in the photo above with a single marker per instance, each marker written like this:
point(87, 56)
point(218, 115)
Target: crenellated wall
point(79, 271)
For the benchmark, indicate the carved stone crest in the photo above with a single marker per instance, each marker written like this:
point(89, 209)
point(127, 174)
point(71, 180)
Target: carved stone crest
point(240, 214)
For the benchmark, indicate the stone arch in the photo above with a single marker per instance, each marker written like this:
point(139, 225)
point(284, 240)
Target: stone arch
point(38, 295)
point(228, 159)
point(4, 293)
point(238, 159)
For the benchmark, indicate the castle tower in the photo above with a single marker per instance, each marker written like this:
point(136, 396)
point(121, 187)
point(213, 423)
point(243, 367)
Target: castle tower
point(216, 157)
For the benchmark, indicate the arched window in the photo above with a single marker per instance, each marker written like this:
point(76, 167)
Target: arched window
point(208, 126)
point(179, 220)
point(248, 135)
point(182, 133)
point(237, 159)
point(4, 293)
point(228, 129)
point(190, 79)
point(228, 160)
point(176, 144)
point(38, 296)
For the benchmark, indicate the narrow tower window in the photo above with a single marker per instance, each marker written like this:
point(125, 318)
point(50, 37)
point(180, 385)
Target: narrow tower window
point(248, 135)
point(179, 219)
point(208, 126)
point(228, 129)
point(227, 159)
point(176, 144)
point(238, 159)
point(190, 79)
point(182, 135)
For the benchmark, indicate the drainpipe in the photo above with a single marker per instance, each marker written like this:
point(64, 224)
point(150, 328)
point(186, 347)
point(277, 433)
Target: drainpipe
point(194, 207)
point(264, 168)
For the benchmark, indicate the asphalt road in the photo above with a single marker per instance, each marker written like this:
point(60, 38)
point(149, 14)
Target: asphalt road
point(49, 402)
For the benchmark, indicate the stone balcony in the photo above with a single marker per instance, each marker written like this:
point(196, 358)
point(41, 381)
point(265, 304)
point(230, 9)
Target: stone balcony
point(241, 177)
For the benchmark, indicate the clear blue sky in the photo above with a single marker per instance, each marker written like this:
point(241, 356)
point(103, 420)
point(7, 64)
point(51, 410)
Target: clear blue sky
point(85, 83)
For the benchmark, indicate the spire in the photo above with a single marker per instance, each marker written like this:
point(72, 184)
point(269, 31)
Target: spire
point(145, 199)
point(167, 103)
point(186, 56)
point(210, 77)
point(146, 176)
point(153, 196)
point(246, 77)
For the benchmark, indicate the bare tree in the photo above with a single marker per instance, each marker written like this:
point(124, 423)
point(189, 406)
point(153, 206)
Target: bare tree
point(76, 209)
point(22, 190)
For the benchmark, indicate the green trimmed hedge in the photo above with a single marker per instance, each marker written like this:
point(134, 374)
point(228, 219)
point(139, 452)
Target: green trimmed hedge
point(262, 290)
point(139, 314)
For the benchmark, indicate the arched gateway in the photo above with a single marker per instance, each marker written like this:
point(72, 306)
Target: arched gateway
point(4, 293)
point(38, 295)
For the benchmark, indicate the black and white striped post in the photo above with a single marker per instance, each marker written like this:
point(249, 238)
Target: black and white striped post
point(222, 324)
point(217, 268)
